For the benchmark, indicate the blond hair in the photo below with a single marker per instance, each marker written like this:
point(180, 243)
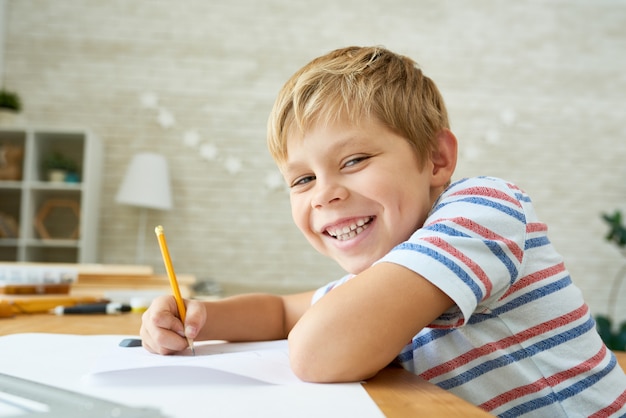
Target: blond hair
point(354, 83)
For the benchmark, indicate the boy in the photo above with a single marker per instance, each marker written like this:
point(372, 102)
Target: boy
point(464, 273)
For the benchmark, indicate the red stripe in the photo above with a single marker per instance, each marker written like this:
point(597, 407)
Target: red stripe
point(474, 267)
point(543, 383)
point(487, 234)
point(614, 407)
point(489, 192)
point(534, 278)
point(504, 343)
point(515, 187)
point(536, 227)
point(484, 233)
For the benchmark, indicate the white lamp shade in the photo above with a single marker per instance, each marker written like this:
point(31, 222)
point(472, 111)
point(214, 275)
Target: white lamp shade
point(146, 183)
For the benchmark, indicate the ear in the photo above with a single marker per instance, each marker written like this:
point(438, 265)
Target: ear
point(443, 159)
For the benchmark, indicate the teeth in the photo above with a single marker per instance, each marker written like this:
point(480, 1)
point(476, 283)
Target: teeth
point(350, 231)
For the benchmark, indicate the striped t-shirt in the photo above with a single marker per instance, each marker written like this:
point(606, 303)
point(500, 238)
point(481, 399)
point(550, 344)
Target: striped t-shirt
point(520, 340)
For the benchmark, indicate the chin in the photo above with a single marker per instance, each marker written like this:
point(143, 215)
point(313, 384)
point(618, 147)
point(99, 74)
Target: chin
point(354, 268)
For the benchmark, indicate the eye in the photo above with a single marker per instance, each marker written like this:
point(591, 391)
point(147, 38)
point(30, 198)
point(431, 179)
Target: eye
point(301, 181)
point(355, 160)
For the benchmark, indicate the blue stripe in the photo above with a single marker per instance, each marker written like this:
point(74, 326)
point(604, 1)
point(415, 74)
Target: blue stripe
point(483, 201)
point(537, 242)
point(446, 230)
point(523, 197)
point(494, 246)
point(461, 181)
point(561, 395)
point(404, 357)
point(524, 299)
point(448, 317)
point(449, 263)
point(516, 356)
point(498, 251)
point(434, 334)
point(422, 340)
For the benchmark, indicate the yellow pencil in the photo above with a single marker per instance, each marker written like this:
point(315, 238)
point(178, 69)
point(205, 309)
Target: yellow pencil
point(173, 281)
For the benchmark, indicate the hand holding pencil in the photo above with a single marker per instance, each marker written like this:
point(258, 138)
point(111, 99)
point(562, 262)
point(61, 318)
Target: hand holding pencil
point(173, 281)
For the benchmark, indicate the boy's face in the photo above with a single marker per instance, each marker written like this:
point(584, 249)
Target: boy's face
point(356, 191)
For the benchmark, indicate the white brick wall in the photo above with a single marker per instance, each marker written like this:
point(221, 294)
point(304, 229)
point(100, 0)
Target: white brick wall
point(535, 90)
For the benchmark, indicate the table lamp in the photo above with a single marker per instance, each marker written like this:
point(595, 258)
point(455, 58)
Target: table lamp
point(146, 185)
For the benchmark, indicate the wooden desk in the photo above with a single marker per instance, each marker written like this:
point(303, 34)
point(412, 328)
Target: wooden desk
point(397, 392)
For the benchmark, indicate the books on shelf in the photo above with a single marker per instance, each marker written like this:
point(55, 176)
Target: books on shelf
point(38, 287)
point(18, 278)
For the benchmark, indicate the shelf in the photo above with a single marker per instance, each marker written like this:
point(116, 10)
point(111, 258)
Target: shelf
point(52, 254)
point(8, 184)
point(55, 221)
point(49, 185)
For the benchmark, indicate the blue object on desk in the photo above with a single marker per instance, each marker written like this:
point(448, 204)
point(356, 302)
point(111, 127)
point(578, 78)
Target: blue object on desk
point(130, 342)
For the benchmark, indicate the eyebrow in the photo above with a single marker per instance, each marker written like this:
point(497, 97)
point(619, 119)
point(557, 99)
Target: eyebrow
point(337, 145)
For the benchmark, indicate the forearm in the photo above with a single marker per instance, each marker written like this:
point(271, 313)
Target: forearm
point(360, 326)
point(253, 317)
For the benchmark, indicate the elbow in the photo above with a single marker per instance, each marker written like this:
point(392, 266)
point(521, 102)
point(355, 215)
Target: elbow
point(318, 365)
point(312, 372)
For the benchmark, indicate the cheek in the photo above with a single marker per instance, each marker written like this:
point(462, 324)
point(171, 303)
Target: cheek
point(416, 212)
point(299, 214)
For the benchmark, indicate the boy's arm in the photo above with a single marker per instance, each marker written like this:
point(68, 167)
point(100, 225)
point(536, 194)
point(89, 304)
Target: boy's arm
point(358, 328)
point(253, 317)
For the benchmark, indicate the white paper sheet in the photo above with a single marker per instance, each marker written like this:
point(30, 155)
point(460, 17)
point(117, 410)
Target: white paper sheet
point(265, 362)
point(242, 380)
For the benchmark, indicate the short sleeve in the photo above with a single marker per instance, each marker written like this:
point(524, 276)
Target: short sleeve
point(319, 293)
point(471, 245)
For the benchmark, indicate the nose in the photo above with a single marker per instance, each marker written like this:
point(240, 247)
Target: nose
point(327, 191)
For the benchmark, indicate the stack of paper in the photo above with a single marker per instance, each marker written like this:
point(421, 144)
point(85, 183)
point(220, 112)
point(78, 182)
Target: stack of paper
point(223, 379)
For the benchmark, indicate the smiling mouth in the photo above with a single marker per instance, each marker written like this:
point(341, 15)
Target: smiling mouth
point(351, 230)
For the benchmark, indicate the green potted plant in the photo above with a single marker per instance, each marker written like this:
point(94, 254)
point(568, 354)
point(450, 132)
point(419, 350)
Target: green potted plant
point(10, 106)
point(614, 339)
point(10, 100)
point(58, 167)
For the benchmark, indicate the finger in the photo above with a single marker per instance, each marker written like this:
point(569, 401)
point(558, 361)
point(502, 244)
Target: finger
point(162, 331)
point(163, 342)
point(195, 319)
point(163, 313)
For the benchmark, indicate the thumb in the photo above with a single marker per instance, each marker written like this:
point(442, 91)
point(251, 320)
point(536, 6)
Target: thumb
point(195, 319)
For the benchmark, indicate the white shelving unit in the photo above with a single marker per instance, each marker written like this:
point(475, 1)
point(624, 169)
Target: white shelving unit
point(66, 212)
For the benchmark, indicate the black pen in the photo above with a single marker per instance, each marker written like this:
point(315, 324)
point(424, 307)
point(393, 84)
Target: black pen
point(93, 308)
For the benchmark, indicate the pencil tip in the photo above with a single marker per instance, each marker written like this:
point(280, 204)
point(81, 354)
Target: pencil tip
point(193, 350)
